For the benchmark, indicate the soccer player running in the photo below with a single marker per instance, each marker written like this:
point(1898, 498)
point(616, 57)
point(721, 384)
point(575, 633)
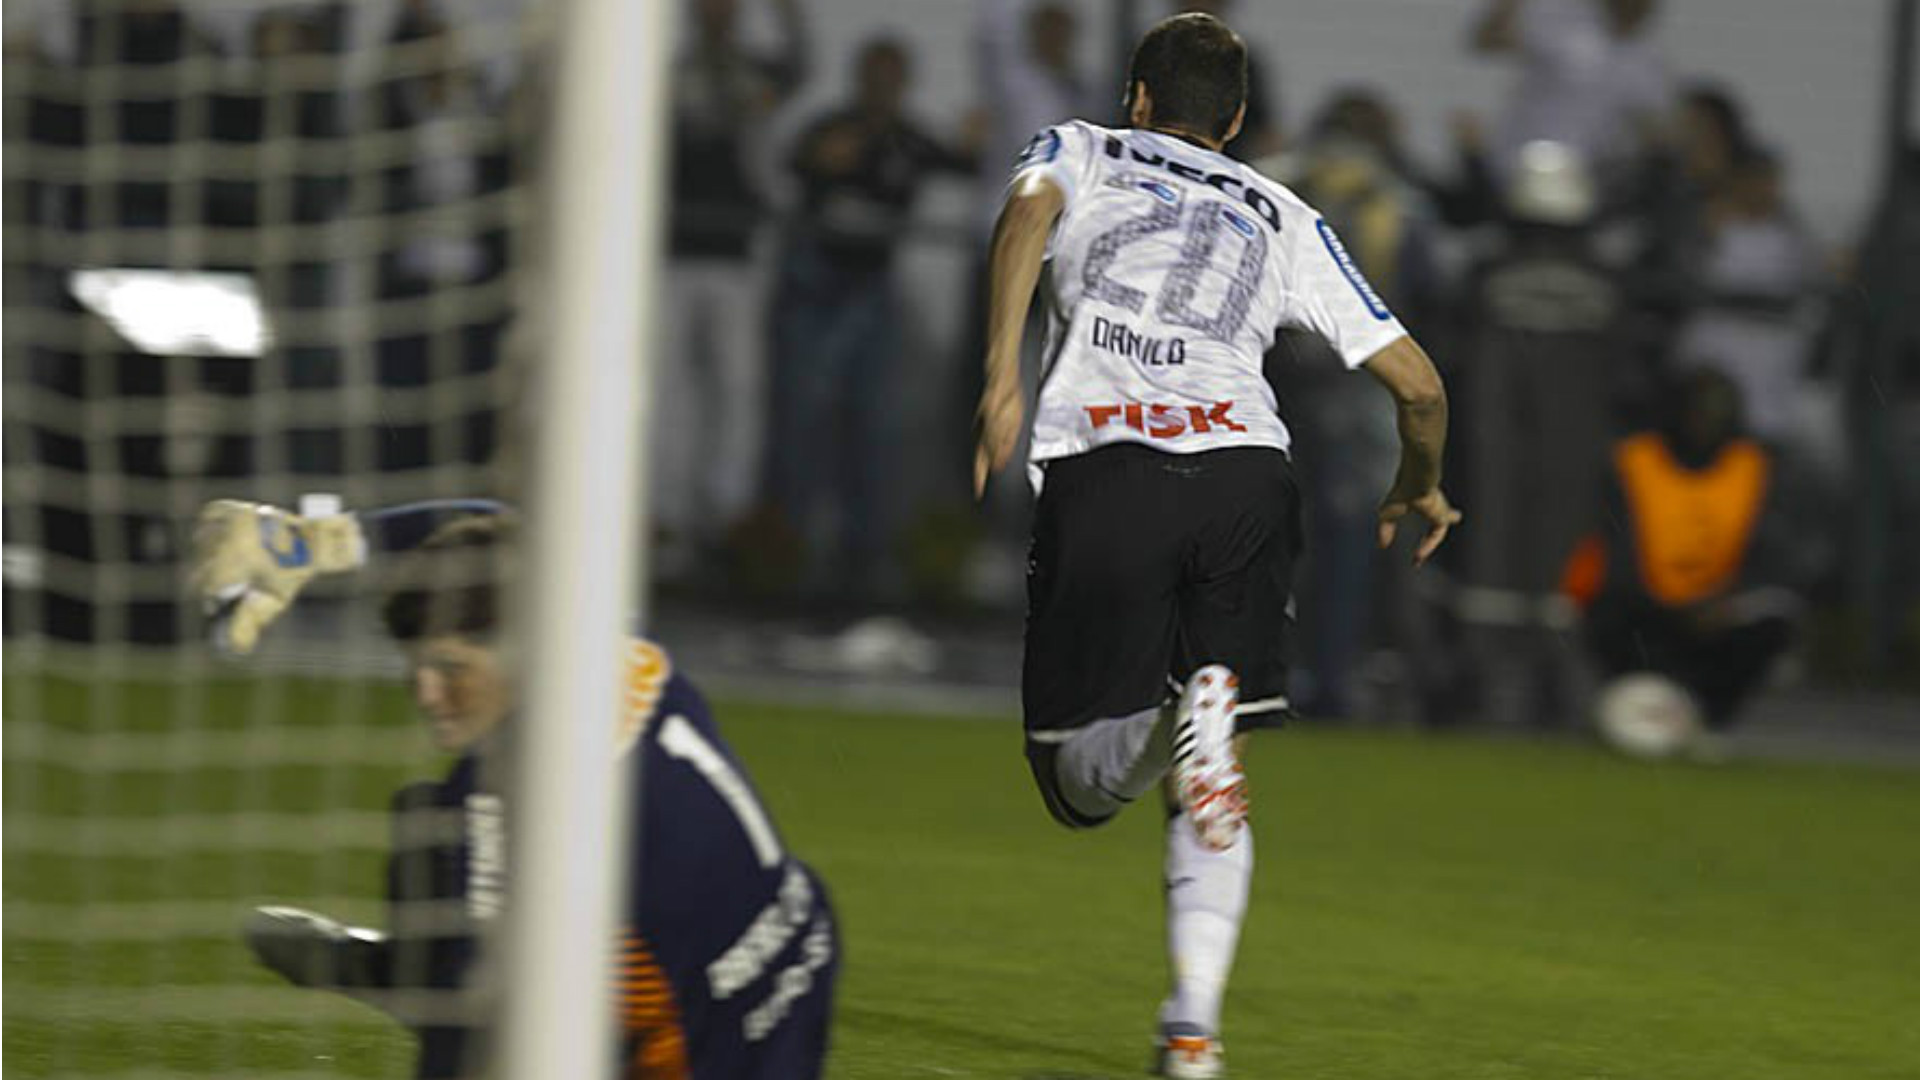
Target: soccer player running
point(728, 954)
point(1167, 524)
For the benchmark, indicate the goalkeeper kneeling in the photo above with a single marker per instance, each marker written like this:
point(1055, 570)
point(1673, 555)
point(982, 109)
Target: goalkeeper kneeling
point(729, 952)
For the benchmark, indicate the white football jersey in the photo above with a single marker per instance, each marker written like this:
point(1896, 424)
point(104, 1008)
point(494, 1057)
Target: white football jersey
point(1169, 272)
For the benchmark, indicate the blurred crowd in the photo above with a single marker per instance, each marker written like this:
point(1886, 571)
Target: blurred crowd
point(362, 177)
point(1646, 348)
point(372, 208)
point(1648, 369)
point(1611, 259)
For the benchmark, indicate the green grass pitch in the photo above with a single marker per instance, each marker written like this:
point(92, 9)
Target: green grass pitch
point(1432, 907)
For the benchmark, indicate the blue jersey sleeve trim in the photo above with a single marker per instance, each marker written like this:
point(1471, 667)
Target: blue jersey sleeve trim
point(1042, 149)
point(1375, 306)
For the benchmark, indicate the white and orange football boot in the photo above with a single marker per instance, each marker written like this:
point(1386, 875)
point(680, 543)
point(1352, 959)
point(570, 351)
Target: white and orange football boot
point(1207, 781)
point(1188, 1054)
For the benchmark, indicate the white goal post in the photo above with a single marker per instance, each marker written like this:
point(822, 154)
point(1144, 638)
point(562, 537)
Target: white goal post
point(603, 196)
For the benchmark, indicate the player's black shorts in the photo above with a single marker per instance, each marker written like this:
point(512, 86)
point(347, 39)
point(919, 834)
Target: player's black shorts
point(1146, 566)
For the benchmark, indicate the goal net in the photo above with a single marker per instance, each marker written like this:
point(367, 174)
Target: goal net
point(275, 252)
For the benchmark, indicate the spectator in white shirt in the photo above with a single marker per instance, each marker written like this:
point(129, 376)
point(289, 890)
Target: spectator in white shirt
point(713, 348)
point(1591, 79)
point(1029, 82)
point(1028, 77)
point(1756, 273)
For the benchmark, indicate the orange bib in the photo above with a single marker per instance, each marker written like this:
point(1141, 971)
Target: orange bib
point(1691, 528)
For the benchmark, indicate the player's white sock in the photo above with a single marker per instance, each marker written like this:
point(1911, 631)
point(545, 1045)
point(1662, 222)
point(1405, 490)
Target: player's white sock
point(1206, 901)
point(1110, 763)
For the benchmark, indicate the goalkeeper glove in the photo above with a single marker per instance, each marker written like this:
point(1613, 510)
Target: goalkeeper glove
point(309, 949)
point(251, 560)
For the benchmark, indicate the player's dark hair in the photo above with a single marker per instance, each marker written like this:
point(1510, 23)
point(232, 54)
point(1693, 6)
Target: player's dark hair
point(1195, 68)
point(453, 583)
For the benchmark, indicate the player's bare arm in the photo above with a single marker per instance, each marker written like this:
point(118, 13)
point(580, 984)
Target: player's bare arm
point(1019, 249)
point(1404, 368)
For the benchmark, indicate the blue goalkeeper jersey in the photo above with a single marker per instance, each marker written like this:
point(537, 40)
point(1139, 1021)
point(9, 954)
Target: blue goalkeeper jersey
point(728, 950)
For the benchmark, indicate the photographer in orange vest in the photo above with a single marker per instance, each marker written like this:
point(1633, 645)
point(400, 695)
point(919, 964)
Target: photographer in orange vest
point(1683, 578)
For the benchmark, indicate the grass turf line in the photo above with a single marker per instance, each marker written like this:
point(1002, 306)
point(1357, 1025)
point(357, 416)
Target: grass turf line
point(1441, 907)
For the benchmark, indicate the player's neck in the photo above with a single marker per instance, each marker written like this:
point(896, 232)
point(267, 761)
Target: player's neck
point(1194, 137)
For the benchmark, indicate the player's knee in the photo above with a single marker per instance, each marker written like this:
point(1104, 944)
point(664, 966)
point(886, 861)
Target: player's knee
point(1043, 759)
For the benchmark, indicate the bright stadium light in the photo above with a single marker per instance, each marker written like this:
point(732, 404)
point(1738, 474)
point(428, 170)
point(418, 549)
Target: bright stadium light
point(178, 313)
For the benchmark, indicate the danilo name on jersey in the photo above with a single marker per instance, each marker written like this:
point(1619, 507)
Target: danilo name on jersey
point(1124, 341)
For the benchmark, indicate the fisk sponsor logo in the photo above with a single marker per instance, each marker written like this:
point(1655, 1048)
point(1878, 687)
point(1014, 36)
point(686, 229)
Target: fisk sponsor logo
point(1166, 421)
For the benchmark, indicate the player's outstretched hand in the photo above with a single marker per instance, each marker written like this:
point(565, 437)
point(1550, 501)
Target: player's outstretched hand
point(251, 560)
point(1431, 505)
point(999, 418)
